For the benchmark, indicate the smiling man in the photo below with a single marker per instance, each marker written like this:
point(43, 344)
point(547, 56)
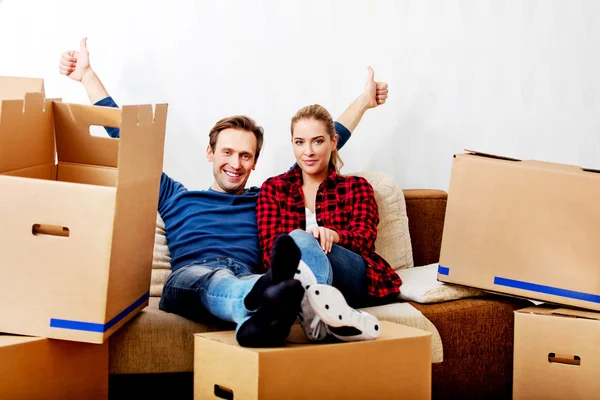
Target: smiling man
point(212, 234)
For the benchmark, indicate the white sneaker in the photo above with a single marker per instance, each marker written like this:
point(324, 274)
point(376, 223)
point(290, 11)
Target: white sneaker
point(314, 328)
point(343, 321)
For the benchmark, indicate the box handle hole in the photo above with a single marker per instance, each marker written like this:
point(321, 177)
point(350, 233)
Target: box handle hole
point(50, 230)
point(223, 393)
point(564, 359)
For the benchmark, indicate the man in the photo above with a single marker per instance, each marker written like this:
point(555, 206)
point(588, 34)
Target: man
point(212, 234)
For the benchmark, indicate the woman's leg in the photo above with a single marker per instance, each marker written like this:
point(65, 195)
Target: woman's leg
point(313, 255)
point(349, 275)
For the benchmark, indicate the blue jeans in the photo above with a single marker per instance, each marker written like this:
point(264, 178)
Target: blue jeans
point(341, 268)
point(218, 286)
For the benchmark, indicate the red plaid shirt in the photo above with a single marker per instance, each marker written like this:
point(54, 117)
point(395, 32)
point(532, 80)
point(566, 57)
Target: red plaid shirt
point(345, 204)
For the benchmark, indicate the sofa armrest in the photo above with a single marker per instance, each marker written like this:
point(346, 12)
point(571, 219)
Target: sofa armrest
point(426, 209)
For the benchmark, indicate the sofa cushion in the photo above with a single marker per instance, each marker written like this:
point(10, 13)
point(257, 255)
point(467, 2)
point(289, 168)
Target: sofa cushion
point(420, 284)
point(156, 341)
point(393, 237)
point(161, 261)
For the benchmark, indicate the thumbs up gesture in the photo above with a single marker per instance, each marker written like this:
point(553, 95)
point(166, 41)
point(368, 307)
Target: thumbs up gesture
point(75, 64)
point(375, 93)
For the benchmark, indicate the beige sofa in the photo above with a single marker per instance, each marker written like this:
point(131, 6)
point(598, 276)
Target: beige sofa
point(153, 353)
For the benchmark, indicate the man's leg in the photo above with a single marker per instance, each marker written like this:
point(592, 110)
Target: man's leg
point(285, 256)
point(222, 287)
point(211, 286)
point(277, 297)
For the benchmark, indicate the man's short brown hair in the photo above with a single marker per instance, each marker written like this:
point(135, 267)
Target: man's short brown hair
point(240, 122)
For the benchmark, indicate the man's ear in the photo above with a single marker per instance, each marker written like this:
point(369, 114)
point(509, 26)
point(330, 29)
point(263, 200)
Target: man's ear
point(209, 154)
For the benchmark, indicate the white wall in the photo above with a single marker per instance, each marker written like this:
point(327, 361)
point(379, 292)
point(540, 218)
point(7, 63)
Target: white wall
point(518, 78)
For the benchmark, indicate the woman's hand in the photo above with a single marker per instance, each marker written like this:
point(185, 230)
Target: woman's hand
point(327, 237)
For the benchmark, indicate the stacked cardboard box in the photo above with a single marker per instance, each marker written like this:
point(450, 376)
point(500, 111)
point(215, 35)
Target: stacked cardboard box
point(78, 216)
point(528, 229)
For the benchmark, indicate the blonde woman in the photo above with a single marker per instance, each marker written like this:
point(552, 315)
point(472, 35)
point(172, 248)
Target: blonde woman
point(333, 220)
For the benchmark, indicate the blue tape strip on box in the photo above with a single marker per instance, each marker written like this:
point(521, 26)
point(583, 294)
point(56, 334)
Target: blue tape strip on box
point(95, 327)
point(443, 270)
point(534, 287)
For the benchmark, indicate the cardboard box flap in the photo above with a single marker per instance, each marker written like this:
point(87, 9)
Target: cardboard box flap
point(555, 166)
point(569, 312)
point(596, 171)
point(489, 155)
point(560, 312)
point(14, 88)
point(75, 143)
point(534, 163)
point(26, 133)
point(11, 340)
point(389, 331)
point(142, 134)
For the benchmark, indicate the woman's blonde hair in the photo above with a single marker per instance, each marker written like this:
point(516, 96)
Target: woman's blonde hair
point(319, 113)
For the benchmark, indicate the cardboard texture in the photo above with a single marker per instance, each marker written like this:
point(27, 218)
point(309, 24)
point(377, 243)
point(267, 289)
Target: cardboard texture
point(524, 228)
point(396, 365)
point(14, 88)
point(557, 354)
point(46, 369)
point(78, 215)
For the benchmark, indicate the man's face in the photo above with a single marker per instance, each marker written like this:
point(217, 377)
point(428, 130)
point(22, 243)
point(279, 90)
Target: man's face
point(233, 160)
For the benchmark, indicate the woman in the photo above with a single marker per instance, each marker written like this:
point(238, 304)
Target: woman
point(334, 214)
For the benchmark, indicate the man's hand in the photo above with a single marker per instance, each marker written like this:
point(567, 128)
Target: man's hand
point(327, 237)
point(75, 64)
point(375, 93)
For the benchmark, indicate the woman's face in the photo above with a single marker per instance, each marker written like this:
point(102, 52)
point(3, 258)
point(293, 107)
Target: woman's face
point(312, 146)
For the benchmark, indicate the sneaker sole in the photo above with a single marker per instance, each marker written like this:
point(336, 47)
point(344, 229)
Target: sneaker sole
point(307, 279)
point(331, 306)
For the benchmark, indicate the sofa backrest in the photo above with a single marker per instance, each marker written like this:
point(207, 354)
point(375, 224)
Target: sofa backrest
point(393, 237)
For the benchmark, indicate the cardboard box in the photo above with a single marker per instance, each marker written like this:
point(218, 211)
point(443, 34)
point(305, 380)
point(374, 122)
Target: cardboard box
point(557, 354)
point(524, 228)
point(78, 216)
point(37, 368)
point(14, 88)
point(396, 365)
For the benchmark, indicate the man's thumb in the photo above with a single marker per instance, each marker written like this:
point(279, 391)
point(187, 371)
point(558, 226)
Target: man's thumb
point(83, 45)
point(371, 77)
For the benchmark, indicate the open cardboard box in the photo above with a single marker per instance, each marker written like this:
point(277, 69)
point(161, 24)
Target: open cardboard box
point(524, 228)
point(78, 215)
point(556, 354)
point(38, 368)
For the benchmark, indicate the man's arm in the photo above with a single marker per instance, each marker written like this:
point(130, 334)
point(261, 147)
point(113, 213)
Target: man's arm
point(375, 94)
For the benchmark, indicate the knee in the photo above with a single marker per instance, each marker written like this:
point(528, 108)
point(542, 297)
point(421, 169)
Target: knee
point(301, 236)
